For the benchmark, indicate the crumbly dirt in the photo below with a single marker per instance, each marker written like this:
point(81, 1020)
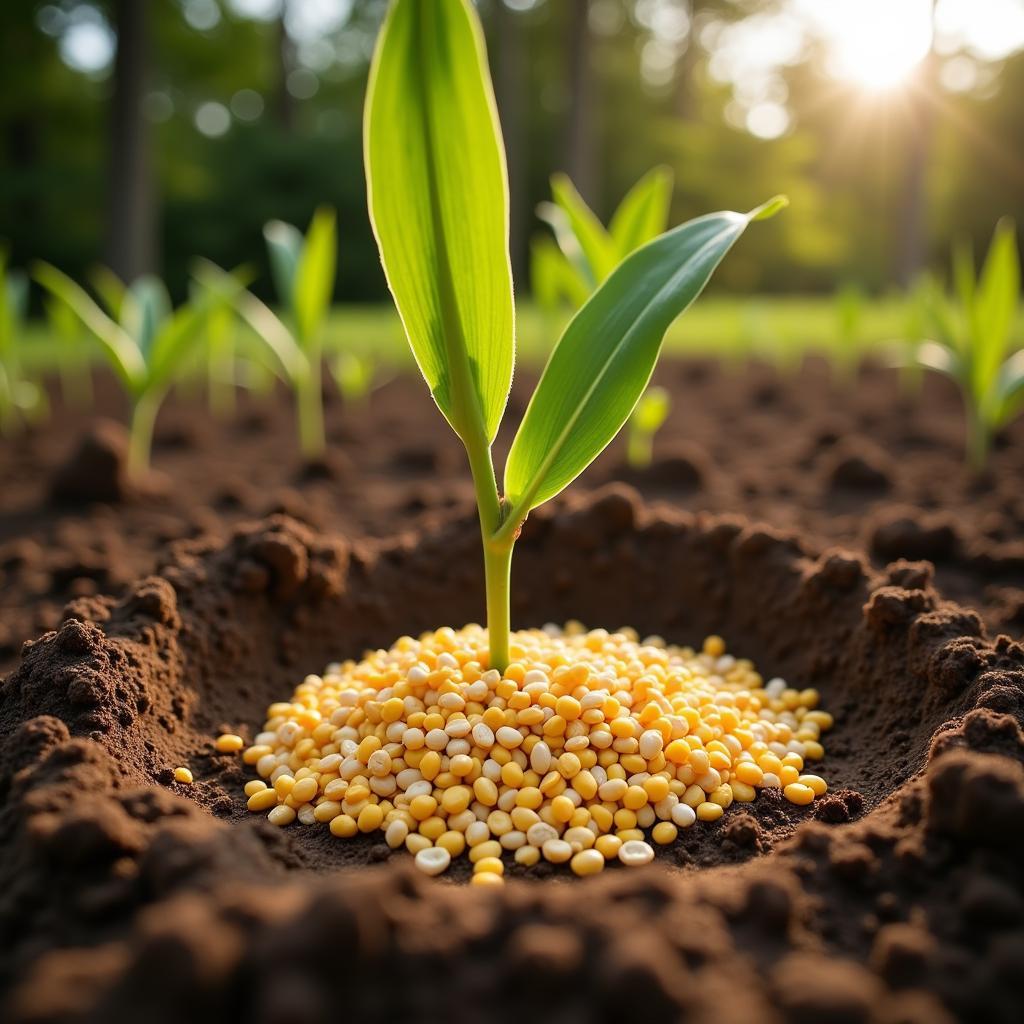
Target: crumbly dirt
point(897, 899)
point(861, 464)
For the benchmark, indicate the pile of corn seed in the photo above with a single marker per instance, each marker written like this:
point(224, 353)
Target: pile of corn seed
point(586, 746)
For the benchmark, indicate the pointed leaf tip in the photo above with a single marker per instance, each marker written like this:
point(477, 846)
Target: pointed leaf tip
point(769, 209)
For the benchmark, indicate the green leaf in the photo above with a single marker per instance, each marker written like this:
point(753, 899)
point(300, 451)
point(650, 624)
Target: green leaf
point(995, 306)
point(110, 288)
point(314, 277)
point(568, 245)
point(652, 410)
point(604, 359)
point(597, 245)
point(643, 213)
point(145, 309)
point(438, 197)
point(178, 335)
point(284, 249)
point(553, 279)
point(290, 360)
point(120, 349)
point(1010, 388)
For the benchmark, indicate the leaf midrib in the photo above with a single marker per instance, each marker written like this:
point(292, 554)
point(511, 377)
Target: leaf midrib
point(463, 392)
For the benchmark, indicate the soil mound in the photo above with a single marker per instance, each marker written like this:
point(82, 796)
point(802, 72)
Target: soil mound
point(126, 896)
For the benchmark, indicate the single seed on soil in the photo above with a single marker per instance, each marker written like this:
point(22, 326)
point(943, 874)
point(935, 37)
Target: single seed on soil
point(590, 743)
point(229, 743)
point(183, 775)
point(635, 853)
point(434, 860)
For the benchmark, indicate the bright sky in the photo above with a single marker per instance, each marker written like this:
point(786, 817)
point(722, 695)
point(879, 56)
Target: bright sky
point(871, 44)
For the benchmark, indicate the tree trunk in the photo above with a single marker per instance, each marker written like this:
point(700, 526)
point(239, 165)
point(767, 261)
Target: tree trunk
point(284, 104)
point(511, 87)
point(579, 136)
point(131, 241)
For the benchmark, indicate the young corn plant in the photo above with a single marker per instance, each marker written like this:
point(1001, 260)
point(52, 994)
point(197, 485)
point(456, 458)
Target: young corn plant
point(438, 198)
point(143, 339)
point(972, 338)
point(644, 422)
point(303, 272)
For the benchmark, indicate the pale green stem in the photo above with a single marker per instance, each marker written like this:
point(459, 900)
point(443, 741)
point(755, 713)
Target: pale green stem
point(140, 438)
point(497, 554)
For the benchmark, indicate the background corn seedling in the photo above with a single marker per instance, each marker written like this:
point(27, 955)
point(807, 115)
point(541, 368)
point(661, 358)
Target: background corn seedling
point(303, 271)
point(145, 341)
point(973, 338)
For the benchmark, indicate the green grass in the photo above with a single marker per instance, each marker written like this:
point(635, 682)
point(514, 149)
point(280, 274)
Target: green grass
point(779, 329)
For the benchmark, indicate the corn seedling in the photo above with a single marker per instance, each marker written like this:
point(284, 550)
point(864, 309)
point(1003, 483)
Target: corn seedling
point(143, 339)
point(438, 198)
point(303, 272)
point(355, 375)
point(644, 422)
point(971, 338)
point(584, 252)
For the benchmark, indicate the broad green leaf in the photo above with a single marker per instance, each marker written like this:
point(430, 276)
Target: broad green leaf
point(314, 277)
point(643, 213)
point(144, 310)
point(284, 250)
point(995, 306)
point(568, 245)
point(121, 350)
point(597, 245)
point(110, 288)
point(604, 359)
point(438, 197)
point(652, 410)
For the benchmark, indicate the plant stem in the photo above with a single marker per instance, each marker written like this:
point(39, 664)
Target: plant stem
point(140, 437)
point(309, 395)
point(497, 554)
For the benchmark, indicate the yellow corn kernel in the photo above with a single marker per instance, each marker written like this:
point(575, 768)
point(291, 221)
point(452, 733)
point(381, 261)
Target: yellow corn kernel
point(228, 743)
point(262, 800)
point(183, 775)
point(709, 811)
point(664, 832)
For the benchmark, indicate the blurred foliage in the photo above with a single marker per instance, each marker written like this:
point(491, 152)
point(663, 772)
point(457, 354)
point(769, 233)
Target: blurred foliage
point(845, 164)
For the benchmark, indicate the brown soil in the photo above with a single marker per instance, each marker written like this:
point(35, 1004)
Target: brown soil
point(855, 464)
point(897, 899)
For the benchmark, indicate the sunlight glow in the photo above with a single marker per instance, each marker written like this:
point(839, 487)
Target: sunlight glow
point(876, 44)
